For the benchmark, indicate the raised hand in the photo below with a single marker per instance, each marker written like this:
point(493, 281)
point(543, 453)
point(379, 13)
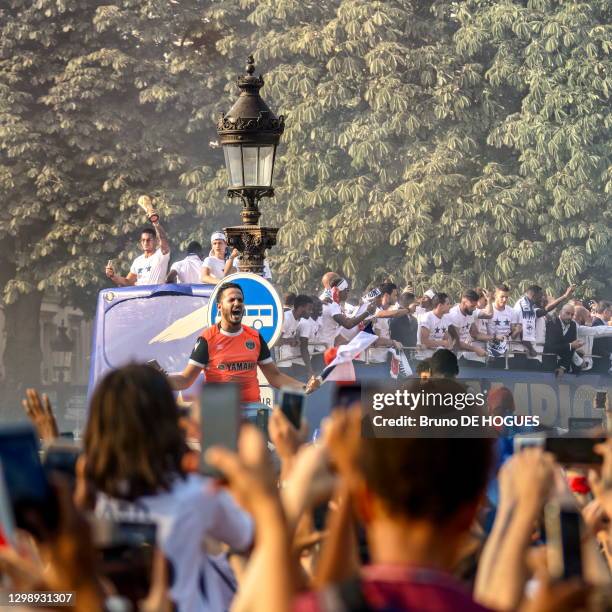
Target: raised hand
point(39, 411)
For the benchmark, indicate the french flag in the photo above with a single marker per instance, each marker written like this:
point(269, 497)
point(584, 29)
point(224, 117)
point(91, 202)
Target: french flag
point(340, 359)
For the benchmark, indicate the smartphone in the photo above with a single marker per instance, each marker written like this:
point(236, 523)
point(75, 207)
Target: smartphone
point(107, 533)
point(61, 456)
point(534, 440)
point(574, 450)
point(33, 500)
point(346, 394)
point(292, 405)
point(583, 424)
point(125, 555)
point(7, 518)
point(220, 417)
point(153, 363)
point(563, 541)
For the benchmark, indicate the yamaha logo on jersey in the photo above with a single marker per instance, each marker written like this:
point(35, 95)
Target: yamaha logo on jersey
point(250, 344)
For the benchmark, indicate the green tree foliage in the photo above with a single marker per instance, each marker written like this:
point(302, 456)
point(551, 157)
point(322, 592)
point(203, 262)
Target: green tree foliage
point(446, 143)
point(442, 142)
point(99, 103)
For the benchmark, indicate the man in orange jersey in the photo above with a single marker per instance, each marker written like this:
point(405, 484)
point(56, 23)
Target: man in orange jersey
point(231, 352)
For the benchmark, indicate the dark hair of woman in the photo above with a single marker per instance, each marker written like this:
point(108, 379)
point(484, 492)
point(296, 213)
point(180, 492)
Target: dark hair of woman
point(133, 442)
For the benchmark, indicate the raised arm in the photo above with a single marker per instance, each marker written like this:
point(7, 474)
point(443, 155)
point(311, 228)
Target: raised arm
point(162, 237)
point(568, 292)
point(186, 378)
point(350, 322)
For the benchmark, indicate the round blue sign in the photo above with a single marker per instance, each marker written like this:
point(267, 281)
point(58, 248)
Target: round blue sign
point(263, 309)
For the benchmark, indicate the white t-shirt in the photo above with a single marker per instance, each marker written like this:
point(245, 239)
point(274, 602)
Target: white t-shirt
point(329, 328)
point(314, 335)
point(188, 270)
point(215, 266)
point(462, 322)
point(381, 329)
point(193, 509)
point(437, 328)
point(288, 355)
point(502, 321)
point(267, 273)
point(151, 270)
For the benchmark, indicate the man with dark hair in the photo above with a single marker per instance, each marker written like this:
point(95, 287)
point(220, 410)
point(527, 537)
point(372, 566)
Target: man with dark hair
point(384, 313)
point(231, 352)
point(293, 343)
point(187, 271)
point(443, 364)
point(433, 326)
point(463, 329)
point(602, 347)
point(532, 309)
point(288, 300)
point(417, 499)
point(404, 328)
point(149, 268)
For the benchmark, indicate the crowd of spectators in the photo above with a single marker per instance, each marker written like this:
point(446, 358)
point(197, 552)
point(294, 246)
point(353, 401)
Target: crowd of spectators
point(346, 523)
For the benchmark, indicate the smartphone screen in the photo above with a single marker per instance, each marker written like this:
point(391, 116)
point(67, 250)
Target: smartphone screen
point(571, 543)
point(220, 414)
point(62, 457)
point(292, 405)
point(7, 519)
point(574, 450)
point(346, 394)
point(563, 541)
point(34, 503)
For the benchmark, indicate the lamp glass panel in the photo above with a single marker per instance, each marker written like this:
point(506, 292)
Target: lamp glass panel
point(233, 163)
point(250, 161)
point(266, 160)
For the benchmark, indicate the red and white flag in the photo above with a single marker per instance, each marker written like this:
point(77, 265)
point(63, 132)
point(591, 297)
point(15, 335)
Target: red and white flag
point(340, 366)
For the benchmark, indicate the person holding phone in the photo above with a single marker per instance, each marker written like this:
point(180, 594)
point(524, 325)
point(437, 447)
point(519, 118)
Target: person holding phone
point(133, 470)
point(231, 352)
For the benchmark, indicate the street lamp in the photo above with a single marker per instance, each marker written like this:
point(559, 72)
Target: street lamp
point(249, 134)
point(61, 349)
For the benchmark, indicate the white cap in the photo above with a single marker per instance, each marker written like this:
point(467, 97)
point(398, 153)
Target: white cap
point(430, 293)
point(218, 236)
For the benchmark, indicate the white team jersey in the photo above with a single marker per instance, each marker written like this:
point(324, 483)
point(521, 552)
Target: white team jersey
point(437, 330)
point(329, 328)
point(288, 355)
point(151, 270)
point(188, 270)
point(502, 321)
point(215, 266)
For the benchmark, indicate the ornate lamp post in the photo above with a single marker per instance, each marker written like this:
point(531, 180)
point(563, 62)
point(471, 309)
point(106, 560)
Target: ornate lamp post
point(249, 134)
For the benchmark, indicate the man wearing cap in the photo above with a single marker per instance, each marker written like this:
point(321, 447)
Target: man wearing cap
point(187, 271)
point(213, 267)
